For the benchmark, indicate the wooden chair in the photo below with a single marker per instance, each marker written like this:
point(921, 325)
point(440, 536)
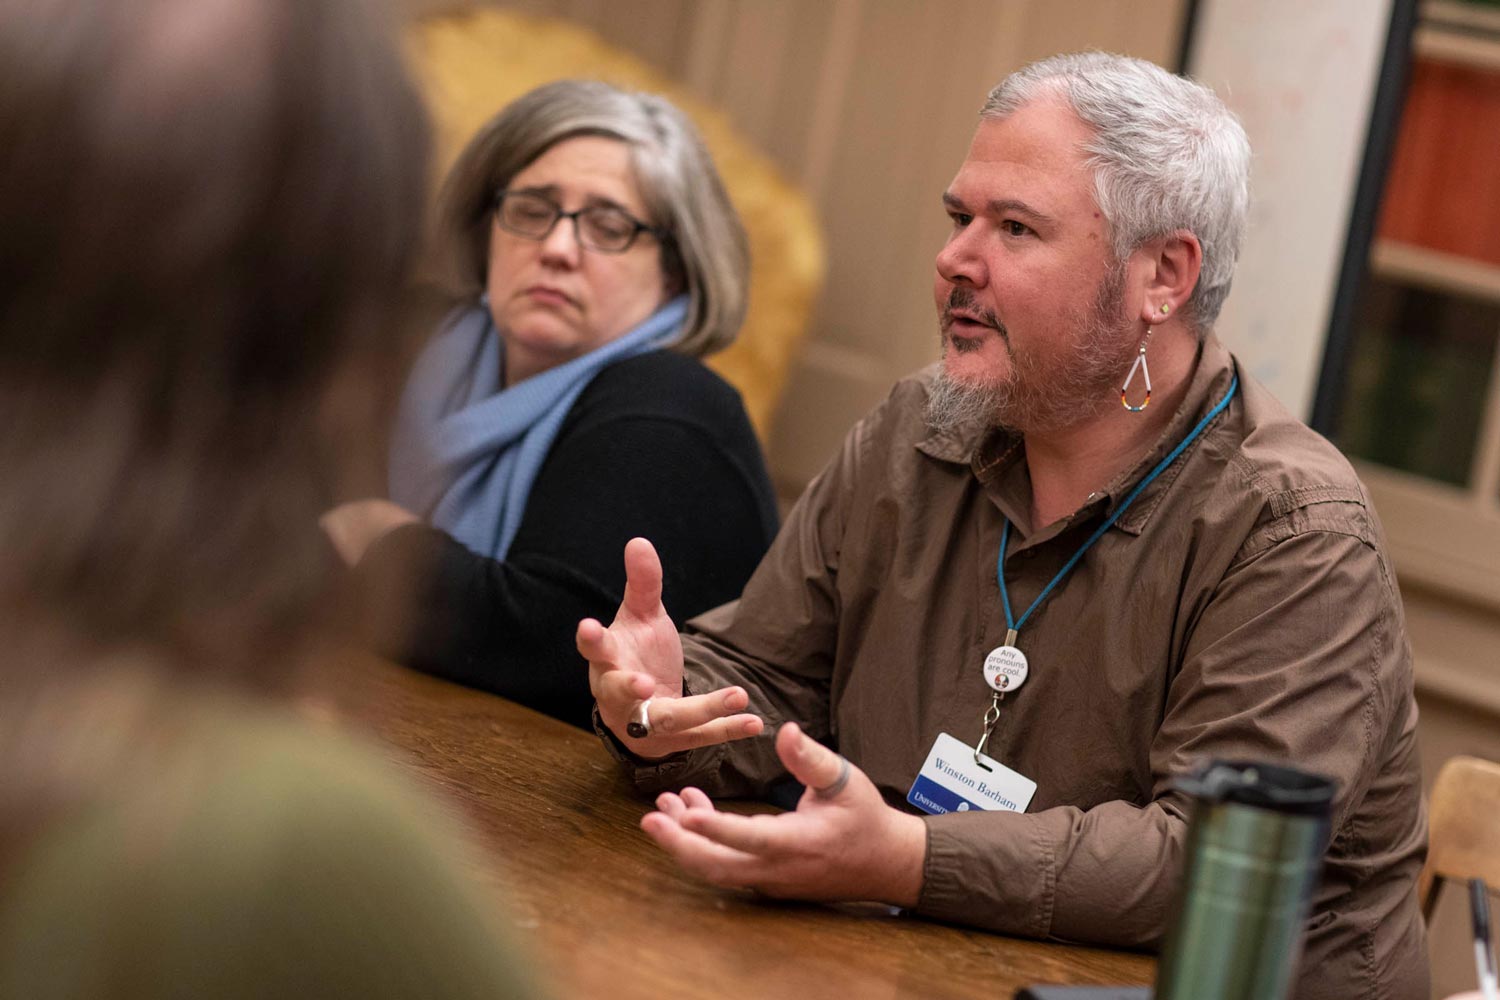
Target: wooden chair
point(1463, 827)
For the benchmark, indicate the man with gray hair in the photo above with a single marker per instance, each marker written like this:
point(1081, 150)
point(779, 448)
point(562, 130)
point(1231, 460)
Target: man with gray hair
point(1082, 553)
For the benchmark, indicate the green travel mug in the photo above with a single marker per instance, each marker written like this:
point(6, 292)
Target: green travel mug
point(1254, 849)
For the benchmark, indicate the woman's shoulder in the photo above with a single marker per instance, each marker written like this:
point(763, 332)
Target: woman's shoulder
point(664, 385)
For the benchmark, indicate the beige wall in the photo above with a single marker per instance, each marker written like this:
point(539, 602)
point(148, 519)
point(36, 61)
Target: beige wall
point(1302, 79)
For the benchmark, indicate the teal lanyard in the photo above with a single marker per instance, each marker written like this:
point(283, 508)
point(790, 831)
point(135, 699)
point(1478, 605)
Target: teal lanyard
point(1014, 624)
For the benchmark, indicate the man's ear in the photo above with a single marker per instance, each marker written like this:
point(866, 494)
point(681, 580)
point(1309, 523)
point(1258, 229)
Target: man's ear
point(1172, 265)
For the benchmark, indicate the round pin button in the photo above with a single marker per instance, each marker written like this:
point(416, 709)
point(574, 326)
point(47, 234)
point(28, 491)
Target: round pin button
point(1005, 669)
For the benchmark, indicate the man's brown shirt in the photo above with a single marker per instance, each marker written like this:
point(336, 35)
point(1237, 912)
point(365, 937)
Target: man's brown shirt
point(1243, 606)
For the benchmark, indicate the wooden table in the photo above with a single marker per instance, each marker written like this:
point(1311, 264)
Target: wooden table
point(610, 915)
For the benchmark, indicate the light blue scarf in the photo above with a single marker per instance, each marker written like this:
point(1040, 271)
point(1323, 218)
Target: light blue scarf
point(466, 452)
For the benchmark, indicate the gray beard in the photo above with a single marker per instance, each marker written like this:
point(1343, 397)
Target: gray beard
point(1042, 397)
point(951, 405)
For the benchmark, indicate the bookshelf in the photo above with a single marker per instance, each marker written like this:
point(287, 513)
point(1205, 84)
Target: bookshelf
point(1421, 404)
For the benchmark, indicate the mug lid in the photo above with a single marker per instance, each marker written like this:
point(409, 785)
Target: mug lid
point(1266, 786)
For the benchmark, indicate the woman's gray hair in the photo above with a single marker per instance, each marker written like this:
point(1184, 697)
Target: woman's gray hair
point(705, 254)
point(1166, 155)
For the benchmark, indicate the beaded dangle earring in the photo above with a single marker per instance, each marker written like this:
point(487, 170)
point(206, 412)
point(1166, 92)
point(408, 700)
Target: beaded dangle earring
point(1145, 370)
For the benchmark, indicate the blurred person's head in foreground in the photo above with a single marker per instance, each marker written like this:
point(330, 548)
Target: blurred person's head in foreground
point(206, 212)
point(206, 209)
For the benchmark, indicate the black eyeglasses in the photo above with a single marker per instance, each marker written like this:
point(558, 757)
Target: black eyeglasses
point(599, 227)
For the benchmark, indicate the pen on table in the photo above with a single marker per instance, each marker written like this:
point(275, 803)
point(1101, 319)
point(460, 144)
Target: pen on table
point(1484, 954)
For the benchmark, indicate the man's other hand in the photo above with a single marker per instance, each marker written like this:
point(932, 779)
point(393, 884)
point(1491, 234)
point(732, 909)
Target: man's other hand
point(837, 845)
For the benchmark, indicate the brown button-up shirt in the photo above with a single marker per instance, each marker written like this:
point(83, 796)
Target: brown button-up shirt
point(1243, 606)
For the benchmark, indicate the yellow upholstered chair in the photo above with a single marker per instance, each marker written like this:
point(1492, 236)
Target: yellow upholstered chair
point(472, 63)
point(1463, 827)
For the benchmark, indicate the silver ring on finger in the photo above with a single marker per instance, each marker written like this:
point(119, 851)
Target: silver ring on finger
point(830, 790)
point(639, 726)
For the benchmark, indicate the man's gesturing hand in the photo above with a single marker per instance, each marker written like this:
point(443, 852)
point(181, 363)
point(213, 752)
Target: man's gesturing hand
point(844, 844)
point(640, 656)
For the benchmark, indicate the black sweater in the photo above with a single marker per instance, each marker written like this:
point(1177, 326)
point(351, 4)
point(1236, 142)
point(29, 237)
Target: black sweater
point(657, 446)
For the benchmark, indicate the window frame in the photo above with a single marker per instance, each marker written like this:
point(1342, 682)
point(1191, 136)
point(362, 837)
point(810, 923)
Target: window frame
point(1441, 537)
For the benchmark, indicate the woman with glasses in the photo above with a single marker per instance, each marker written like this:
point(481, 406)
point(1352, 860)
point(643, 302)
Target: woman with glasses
point(561, 409)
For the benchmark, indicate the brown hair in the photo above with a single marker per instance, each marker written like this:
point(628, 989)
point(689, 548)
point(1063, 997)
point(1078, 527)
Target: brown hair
point(206, 209)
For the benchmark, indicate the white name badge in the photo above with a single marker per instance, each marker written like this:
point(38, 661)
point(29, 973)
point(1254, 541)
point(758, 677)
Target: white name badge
point(951, 781)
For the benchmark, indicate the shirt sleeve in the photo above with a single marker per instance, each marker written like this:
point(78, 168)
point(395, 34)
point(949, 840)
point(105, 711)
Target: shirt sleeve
point(508, 626)
point(777, 641)
point(1295, 649)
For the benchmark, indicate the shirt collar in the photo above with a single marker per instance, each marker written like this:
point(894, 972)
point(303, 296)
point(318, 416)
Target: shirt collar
point(994, 453)
point(1211, 379)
